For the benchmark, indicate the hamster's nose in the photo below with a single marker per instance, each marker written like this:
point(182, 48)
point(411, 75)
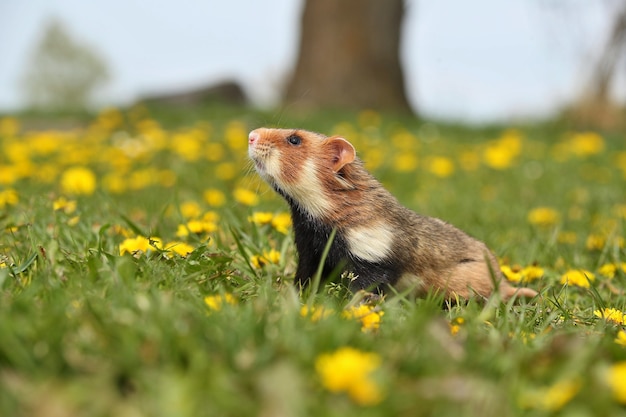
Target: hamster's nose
point(253, 137)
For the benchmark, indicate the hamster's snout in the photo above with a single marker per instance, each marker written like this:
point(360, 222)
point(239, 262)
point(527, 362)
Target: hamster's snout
point(253, 137)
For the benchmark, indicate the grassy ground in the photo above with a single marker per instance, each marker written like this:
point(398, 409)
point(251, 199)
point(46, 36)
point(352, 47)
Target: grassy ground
point(146, 270)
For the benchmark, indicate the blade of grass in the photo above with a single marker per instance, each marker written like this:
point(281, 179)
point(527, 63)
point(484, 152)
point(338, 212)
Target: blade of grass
point(24, 266)
point(243, 251)
point(315, 281)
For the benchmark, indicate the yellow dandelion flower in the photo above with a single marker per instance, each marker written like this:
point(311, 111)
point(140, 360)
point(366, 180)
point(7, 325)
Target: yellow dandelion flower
point(214, 197)
point(214, 152)
point(139, 244)
point(208, 226)
point(282, 222)
point(211, 216)
point(16, 151)
point(155, 243)
point(245, 197)
point(140, 179)
point(349, 370)
point(499, 156)
point(621, 338)
point(441, 166)
point(595, 242)
point(73, 221)
point(608, 270)
point(512, 139)
point(616, 379)
point(585, 144)
point(78, 180)
point(215, 302)
point(114, 183)
point(611, 315)
point(65, 205)
point(180, 248)
point(133, 245)
point(567, 238)
point(543, 216)
point(8, 198)
point(110, 119)
point(533, 272)
point(513, 274)
point(365, 393)
point(25, 169)
point(261, 218)
point(374, 158)
point(455, 325)
point(182, 231)
point(187, 145)
point(517, 274)
point(197, 227)
point(405, 162)
point(272, 256)
point(236, 135)
point(155, 137)
point(551, 398)
point(577, 277)
point(258, 261)
point(8, 174)
point(190, 210)
point(369, 316)
point(316, 313)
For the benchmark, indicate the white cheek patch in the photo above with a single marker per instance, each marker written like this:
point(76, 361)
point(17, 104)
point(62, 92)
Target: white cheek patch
point(307, 191)
point(272, 165)
point(370, 243)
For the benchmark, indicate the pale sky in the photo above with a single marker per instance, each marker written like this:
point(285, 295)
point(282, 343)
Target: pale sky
point(479, 60)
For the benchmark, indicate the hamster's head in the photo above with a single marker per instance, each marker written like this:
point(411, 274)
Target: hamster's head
point(300, 165)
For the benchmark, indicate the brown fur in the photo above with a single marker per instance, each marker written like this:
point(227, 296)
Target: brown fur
point(429, 252)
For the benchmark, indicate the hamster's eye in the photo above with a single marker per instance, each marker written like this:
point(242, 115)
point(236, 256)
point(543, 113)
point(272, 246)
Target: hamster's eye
point(294, 139)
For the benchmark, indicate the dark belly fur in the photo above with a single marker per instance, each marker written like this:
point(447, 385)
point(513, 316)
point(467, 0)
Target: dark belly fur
point(311, 237)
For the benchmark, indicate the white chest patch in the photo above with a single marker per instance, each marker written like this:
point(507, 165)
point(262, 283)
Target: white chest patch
point(370, 243)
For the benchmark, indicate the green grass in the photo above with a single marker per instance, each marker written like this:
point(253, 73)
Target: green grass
point(86, 331)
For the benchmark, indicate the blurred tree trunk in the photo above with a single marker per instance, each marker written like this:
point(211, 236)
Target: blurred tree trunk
point(349, 56)
point(613, 52)
point(596, 108)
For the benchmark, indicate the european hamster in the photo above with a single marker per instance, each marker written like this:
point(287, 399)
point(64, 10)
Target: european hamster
point(379, 241)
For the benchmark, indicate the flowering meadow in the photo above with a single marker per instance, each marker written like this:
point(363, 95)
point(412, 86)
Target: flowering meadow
point(146, 270)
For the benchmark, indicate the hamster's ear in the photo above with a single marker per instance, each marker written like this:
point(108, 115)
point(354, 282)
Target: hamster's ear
point(342, 152)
